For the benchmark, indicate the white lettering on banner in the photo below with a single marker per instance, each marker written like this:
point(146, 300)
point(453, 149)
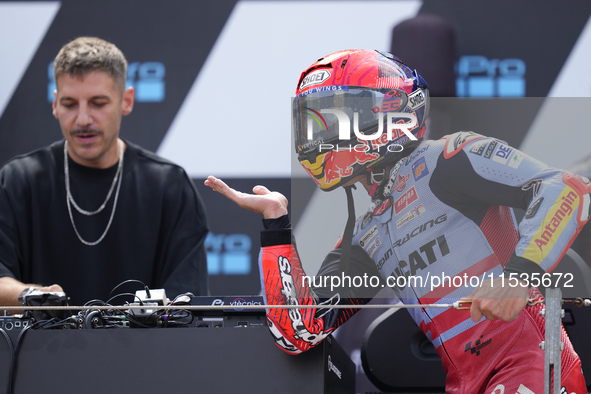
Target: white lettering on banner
point(242, 302)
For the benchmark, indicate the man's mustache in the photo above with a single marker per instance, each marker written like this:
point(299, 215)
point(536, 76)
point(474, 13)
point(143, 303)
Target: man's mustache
point(85, 131)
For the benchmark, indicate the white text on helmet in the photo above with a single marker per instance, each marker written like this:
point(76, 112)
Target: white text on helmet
point(314, 78)
point(416, 100)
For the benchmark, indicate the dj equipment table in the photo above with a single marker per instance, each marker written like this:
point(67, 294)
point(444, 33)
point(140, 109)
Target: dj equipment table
point(172, 360)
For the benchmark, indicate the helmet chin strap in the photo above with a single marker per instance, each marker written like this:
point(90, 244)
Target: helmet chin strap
point(348, 234)
point(375, 179)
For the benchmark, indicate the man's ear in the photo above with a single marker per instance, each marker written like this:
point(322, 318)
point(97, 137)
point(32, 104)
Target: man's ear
point(54, 104)
point(128, 99)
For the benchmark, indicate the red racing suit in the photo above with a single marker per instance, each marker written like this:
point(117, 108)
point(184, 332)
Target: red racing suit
point(438, 226)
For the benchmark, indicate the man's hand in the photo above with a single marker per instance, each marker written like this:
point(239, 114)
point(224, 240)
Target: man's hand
point(51, 289)
point(11, 288)
point(495, 301)
point(271, 205)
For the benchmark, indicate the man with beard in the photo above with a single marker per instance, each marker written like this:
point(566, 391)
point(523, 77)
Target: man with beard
point(90, 211)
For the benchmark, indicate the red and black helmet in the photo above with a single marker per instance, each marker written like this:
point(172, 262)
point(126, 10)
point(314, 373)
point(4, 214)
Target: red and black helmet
point(354, 112)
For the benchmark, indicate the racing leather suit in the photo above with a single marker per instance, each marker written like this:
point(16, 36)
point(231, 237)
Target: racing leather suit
point(439, 225)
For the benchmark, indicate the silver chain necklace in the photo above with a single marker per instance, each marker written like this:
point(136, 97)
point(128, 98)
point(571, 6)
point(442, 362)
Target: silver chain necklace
point(70, 199)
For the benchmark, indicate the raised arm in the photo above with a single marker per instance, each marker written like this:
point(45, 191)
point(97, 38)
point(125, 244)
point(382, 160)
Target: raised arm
point(271, 205)
point(286, 283)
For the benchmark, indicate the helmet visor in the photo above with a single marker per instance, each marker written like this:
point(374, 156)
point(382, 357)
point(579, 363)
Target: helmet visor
point(318, 117)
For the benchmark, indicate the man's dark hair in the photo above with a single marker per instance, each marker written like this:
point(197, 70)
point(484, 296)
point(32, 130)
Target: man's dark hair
point(87, 54)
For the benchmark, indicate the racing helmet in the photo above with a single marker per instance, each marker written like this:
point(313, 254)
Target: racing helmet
point(354, 112)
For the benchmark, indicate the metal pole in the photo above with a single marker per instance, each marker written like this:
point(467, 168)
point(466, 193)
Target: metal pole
point(552, 345)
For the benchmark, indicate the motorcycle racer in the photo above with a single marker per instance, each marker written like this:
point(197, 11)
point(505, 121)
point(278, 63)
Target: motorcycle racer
point(440, 209)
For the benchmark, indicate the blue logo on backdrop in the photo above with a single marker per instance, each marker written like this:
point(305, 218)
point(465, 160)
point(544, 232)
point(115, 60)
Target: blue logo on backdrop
point(51, 84)
point(147, 79)
point(228, 254)
point(482, 77)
